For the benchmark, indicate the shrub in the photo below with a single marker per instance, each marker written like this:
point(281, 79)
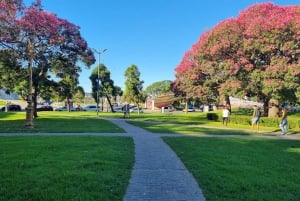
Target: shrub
point(212, 116)
point(240, 119)
point(264, 121)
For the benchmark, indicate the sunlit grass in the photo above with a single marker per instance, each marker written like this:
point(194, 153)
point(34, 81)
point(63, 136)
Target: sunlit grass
point(72, 122)
point(65, 168)
point(177, 122)
point(242, 169)
point(156, 127)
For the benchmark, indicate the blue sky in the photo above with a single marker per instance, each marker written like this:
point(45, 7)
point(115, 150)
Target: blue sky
point(152, 34)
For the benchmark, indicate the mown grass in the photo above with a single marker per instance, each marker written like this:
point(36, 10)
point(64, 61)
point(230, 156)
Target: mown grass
point(156, 127)
point(227, 169)
point(65, 168)
point(193, 118)
point(179, 122)
point(71, 122)
point(197, 123)
point(242, 169)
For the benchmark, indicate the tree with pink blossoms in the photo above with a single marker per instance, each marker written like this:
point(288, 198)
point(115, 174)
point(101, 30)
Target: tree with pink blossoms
point(256, 53)
point(49, 46)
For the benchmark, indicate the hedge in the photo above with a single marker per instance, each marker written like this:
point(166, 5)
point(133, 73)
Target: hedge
point(246, 120)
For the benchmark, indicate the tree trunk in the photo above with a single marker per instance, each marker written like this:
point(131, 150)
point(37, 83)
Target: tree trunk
point(109, 102)
point(138, 106)
point(186, 106)
point(227, 103)
point(273, 108)
point(35, 94)
point(68, 105)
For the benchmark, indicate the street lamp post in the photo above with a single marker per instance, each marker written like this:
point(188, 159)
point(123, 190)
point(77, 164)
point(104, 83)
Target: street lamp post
point(98, 77)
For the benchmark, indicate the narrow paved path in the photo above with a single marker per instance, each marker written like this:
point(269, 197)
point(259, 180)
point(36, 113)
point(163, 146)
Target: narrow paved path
point(158, 174)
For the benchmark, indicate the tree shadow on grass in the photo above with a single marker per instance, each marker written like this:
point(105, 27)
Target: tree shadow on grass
point(156, 127)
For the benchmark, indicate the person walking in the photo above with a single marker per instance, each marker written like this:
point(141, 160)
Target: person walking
point(255, 117)
point(283, 122)
point(225, 115)
point(126, 111)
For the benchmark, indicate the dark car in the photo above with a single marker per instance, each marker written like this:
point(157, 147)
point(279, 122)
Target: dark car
point(12, 107)
point(190, 108)
point(44, 108)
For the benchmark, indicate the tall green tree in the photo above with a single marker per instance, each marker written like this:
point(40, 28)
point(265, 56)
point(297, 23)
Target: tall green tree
point(133, 86)
point(161, 93)
point(118, 92)
point(79, 94)
point(159, 88)
point(256, 53)
point(41, 40)
point(103, 85)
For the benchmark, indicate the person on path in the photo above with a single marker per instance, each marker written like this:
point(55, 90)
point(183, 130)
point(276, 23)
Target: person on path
point(283, 122)
point(225, 115)
point(255, 117)
point(126, 111)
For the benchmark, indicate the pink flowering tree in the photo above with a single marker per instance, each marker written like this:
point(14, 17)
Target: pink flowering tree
point(49, 46)
point(189, 82)
point(256, 53)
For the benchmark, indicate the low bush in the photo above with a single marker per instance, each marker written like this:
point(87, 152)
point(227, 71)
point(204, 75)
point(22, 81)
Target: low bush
point(243, 116)
point(264, 121)
point(212, 116)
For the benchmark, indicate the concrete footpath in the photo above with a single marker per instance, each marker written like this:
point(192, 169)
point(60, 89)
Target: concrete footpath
point(158, 174)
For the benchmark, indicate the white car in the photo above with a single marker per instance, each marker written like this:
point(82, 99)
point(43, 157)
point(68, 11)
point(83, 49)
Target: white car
point(64, 108)
point(118, 109)
point(91, 108)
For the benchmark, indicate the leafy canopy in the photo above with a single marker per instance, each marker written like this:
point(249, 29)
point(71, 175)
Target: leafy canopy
point(256, 53)
point(133, 85)
point(50, 45)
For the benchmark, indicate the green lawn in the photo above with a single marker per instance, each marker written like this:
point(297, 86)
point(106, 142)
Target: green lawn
point(242, 169)
point(197, 123)
point(71, 122)
point(98, 168)
point(178, 122)
point(77, 168)
point(157, 127)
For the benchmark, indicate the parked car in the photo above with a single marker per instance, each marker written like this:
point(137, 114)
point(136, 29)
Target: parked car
point(190, 108)
point(135, 109)
point(91, 108)
point(64, 108)
point(168, 109)
point(44, 108)
point(12, 107)
point(78, 108)
point(118, 109)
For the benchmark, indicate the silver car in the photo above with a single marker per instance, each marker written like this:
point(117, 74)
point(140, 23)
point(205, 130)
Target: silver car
point(135, 109)
point(64, 108)
point(91, 108)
